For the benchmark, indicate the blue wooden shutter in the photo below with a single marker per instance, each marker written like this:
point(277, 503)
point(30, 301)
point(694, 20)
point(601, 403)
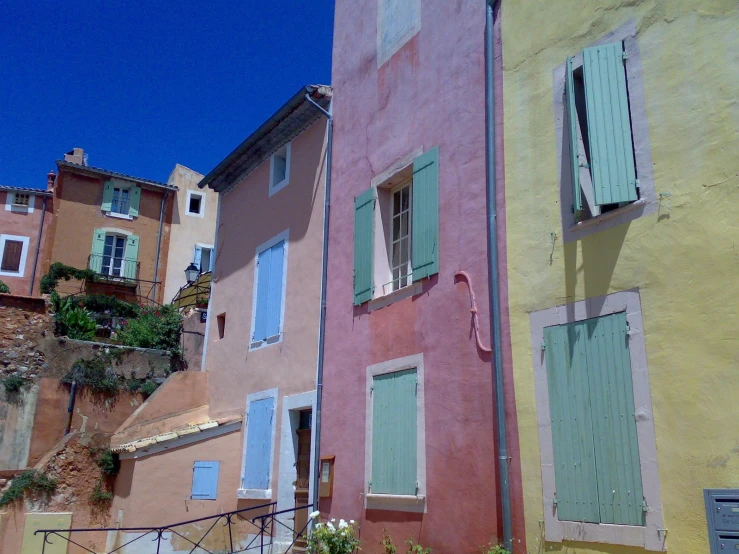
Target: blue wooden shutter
point(274, 292)
point(572, 431)
point(609, 127)
point(130, 261)
point(198, 257)
point(98, 246)
point(606, 351)
point(573, 142)
point(364, 230)
point(134, 199)
point(107, 196)
point(264, 266)
point(394, 447)
point(425, 215)
point(205, 480)
point(258, 444)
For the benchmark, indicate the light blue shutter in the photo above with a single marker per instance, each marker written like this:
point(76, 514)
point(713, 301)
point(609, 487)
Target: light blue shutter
point(425, 215)
point(96, 253)
point(198, 257)
point(274, 294)
point(573, 144)
point(394, 449)
point(609, 128)
point(264, 266)
point(258, 444)
point(212, 260)
point(364, 230)
point(107, 196)
point(130, 262)
point(134, 199)
point(205, 480)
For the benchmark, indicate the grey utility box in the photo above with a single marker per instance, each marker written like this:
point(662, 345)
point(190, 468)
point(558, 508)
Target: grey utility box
point(722, 514)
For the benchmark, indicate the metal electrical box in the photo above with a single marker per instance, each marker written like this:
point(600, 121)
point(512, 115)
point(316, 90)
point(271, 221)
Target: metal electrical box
point(722, 514)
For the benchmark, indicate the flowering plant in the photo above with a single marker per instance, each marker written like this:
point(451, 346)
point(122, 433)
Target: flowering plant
point(332, 537)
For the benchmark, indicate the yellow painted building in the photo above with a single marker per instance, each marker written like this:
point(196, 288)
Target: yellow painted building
point(652, 272)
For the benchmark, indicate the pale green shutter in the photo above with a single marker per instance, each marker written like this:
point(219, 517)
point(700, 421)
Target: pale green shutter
point(572, 433)
point(96, 253)
point(134, 198)
point(107, 196)
point(614, 425)
point(425, 215)
point(609, 127)
point(130, 261)
point(394, 420)
point(573, 125)
point(364, 230)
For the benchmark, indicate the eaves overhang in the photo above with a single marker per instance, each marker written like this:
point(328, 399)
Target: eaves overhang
point(98, 172)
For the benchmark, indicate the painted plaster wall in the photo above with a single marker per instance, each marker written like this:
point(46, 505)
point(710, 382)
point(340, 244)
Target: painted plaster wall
point(430, 93)
point(681, 258)
point(187, 230)
point(77, 214)
point(26, 225)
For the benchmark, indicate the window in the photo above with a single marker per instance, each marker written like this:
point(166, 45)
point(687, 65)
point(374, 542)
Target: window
point(205, 480)
point(204, 259)
point(115, 247)
point(121, 200)
point(395, 467)
point(114, 254)
point(279, 169)
point(119, 204)
point(195, 203)
point(256, 475)
point(21, 199)
point(13, 252)
point(396, 230)
point(397, 22)
point(269, 292)
point(19, 202)
point(221, 319)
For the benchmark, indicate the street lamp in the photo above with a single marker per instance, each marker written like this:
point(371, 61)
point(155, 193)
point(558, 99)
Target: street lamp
point(191, 273)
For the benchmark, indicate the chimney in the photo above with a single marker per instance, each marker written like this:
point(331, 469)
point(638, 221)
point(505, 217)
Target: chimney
point(50, 180)
point(76, 156)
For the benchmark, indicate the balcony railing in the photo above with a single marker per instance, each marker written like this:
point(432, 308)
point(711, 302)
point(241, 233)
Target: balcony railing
point(112, 267)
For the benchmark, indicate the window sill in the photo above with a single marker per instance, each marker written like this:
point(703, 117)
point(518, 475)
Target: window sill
point(607, 533)
point(119, 216)
point(11, 273)
point(395, 502)
point(395, 296)
point(254, 494)
point(608, 215)
point(195, 214)
point(277, 187)
point(256, 345)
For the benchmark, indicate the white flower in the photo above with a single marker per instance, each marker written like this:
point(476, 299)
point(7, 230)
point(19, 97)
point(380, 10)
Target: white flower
point(343, 524)
point(314, 515)
point(333, 519)
point(351, 522)
point(331, 526)
point(319, 525)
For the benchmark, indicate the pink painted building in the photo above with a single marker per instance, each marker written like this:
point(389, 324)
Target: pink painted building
point(407, 405)
point(25, 218)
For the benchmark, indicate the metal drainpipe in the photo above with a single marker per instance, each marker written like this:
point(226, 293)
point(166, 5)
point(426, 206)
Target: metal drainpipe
point(322, 318)
point(490, 183)
point(38, 247)
point(159, 247)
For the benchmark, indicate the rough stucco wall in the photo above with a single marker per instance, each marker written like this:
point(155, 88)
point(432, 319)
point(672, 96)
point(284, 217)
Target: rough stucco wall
point(193, 339)
point(187, 230)
point(681, 258)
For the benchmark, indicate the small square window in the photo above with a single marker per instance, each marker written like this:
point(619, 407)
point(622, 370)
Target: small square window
point(279, 168)
point(119, 204)
point(195, 204)
point(221, 319)
point(21, 199)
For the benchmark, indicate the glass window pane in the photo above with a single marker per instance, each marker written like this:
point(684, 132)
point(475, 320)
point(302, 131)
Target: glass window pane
point(396, 228)
point(404, 225)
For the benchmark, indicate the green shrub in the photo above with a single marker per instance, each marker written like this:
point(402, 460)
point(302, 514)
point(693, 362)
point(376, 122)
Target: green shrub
point(4, 288)
point(59, 271)
point(13, 383)
point(71, 320)
point(494, 549)
point(156, 327)
point(108, 463)
point(414, 548)
point(100, 496)
point(148, 388)
point(97, 374)
point(387, 543)
point(30, 481)
point(104, 304)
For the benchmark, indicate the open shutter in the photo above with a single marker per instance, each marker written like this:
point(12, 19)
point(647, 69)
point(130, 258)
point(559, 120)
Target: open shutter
point(573, 143)
point(425, 215)
point(205, 480)
point(197, 258)
point(107, 196)
point(394, 445)
point(130, 261)
point(609, 127)
point(614, 425)
point(364, 230)
point(96, 254)
point(273, 307)
point(263, 278)
point(572, 429)
point(258, 444)
point(134, 199)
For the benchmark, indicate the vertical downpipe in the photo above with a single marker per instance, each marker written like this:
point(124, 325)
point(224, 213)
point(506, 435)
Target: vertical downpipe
point(38, 246)
point(159, 246)
point(490, 182)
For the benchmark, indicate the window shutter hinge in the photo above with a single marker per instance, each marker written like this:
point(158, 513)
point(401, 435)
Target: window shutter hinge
point(625, 57)
point(369, 487)
point(644, 506)
point(417, 488)
point(585, 165)
point(555, 502)
point(543, 346)
point(636, 183)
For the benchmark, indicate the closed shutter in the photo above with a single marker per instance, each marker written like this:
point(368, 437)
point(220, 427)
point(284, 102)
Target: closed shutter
point(107, 196)
point(609, 127)
point(197, 258)
point(134, 199)
point(205, 480)
point(258, 444)
point(130, 261)
point(364, 230)
point(573, 143)
point(394, 420)
point(96, 254)
point(425, 215)
point(11, 260)
point(269, 292)
point(34, 543)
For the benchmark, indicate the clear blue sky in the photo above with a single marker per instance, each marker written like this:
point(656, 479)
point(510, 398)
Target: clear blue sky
point(147, 84)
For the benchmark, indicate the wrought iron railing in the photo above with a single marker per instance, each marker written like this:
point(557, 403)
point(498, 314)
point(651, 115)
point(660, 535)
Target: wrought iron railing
point(111, 267)
point(228, 533)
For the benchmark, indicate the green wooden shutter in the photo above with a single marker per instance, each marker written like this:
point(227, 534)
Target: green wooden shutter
point(134, 198)
point(130, 261)
point(364, 230)
point(609, 128)
point(107, 196)
point(394, 447)
point(96, 253)
point(425, 215)
point(614, 425)
point(573, 125)
point(572, 432)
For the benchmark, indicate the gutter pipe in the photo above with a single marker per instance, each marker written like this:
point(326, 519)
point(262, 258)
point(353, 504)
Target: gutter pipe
point(38, 247)
point(322, 319)
point(490, 183)
point(159, 247)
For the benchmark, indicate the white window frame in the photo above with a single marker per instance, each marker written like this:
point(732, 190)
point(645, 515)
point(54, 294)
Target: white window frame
point(397, 502)
point(11, 206)
point(201, 246)
point(123, 236)
point(284, 235)
point(650, 536)
point(24, 254)
point(275, 187)
point(190, 194)
point(408, 183)
point(258, 494)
